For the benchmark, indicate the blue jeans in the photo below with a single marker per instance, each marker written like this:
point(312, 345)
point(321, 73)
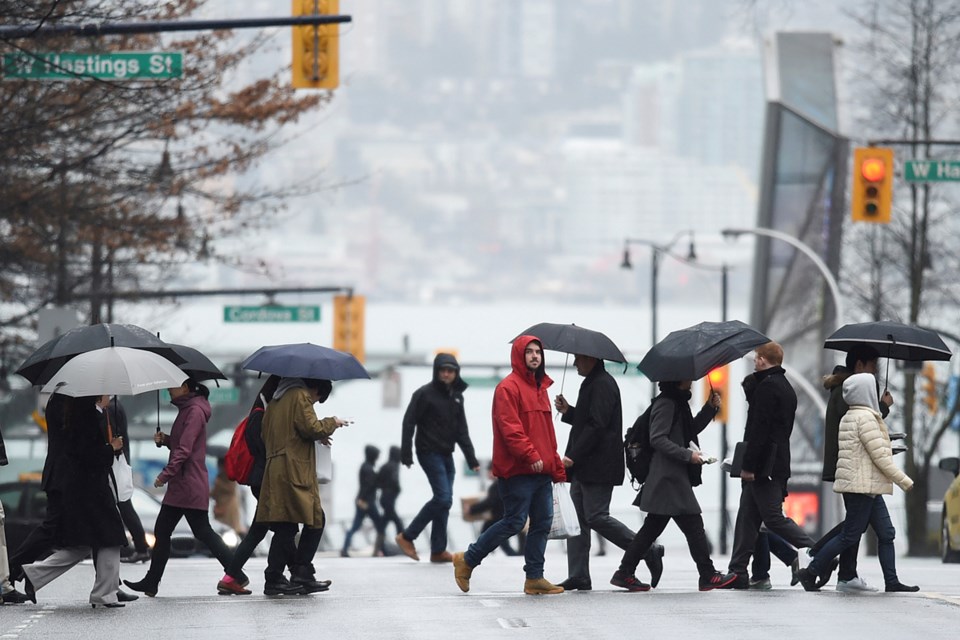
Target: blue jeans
point(440, 470)
point(768, 543)
point(526, 495)
point(862, 511)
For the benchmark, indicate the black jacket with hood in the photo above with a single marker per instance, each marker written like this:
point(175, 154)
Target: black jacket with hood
point(388, 477)
point(436, 414)
point(368, 476)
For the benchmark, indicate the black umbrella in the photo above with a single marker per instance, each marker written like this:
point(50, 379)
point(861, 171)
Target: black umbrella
point(305, 360)
point(53, 354)
point(890, 340)
point(196, 365)
point(569, 338)
point(691, 353)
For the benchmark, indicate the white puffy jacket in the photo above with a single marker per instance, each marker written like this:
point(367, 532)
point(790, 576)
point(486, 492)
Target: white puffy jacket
point(865, 463)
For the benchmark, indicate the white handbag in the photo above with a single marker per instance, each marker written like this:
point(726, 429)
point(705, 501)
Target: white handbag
point(565, 521)
point(324, 463)
point(121, 477)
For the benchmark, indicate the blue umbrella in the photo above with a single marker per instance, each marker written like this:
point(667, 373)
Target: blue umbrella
point(305, 360)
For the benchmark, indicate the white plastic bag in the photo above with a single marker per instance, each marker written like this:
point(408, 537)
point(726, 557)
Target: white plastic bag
point(121, 477)
point(324, 463)
point(565, 521)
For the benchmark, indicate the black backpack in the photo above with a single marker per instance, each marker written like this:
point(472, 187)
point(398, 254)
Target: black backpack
point(637, 449)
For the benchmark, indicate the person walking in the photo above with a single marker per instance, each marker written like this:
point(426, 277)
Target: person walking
point(234, 580)
point(772, 405)
point(388, 481)
point(89, 521)
point(8, 594)
point(594, 463)
point(131, 519)
point(435, 414)
point(675, 469)
point(366, 503)
point(526, 463)
point(290, 494)
point(865, 472)
point(861, 359)
point(187, 495)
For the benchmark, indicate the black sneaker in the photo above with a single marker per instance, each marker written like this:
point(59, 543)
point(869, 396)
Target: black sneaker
point(654, 560)
point(808, 579)
point(282, 588)
point(824, 577)
point(899, 587)
point(739, 583)
point(628, 582)
point(717, 581)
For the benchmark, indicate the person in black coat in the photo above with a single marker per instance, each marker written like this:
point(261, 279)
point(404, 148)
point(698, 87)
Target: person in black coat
point(131, 520)
point(436, 414)
point(594, 462)
point(388, 481)
point(366, 503)
point(772, 405)
point(90, 521)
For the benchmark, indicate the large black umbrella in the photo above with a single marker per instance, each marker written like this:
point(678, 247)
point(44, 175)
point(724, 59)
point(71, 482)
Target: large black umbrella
point(569, 338)
point(890, 340)
point(196, 365)
point(305, 360)
point(53, 354)
point(691, 353)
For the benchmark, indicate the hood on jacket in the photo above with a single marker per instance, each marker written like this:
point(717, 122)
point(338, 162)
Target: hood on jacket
point(371, 453)
point(450, 361)
point(195, 400)
point(519, 363)
point(394, 455)
point(835, 379)
point(286, 384)
point(860, 389)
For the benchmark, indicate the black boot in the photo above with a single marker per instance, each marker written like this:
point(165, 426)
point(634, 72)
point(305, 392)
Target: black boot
point(282, 587)
point(302, 575)
point(654, 560)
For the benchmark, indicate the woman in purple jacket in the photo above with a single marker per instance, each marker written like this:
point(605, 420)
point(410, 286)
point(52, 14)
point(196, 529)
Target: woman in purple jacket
point(188, 492)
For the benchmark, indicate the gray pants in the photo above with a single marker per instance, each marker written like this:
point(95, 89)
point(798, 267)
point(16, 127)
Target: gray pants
point(107, 566)
point(5, 586)
point(592, 502)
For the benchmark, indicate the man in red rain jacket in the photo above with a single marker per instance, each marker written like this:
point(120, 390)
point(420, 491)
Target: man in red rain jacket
point(525, 463)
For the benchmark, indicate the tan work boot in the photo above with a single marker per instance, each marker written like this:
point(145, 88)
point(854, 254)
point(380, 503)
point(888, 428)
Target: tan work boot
point(443, 556)
point(540, 587)
point(462, 572)
point(407, 547)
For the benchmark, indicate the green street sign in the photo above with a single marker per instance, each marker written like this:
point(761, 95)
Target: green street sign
point(931, 170)
point(223, 395)
point(309, 313)
point(122, 65)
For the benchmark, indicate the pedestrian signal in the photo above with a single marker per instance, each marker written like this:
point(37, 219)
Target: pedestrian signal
point(871, 198)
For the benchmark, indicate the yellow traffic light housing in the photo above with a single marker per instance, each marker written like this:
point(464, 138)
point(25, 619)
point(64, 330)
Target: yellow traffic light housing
point(719, 380)
point(316, 49)
point(871, 198)
point(348, 325)
point(930, 397)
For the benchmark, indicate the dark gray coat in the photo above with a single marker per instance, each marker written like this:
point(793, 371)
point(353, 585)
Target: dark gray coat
point(596, 439)
point(667, 490)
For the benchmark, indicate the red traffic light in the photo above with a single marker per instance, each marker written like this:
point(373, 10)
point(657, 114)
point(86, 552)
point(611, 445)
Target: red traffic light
point(717, 377)
point(873, 169)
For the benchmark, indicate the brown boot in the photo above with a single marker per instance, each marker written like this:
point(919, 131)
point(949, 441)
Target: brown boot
point(462, 572)
point(540, 587)
point(407, 547)
point(443, 556)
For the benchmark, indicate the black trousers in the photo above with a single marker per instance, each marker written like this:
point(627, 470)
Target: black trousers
point(284, 552)
point(761, 502)
point(199, 522)
point(389, 505)
point(41, 540)
point(691, 524)
point(848, 557)
point(132, 522)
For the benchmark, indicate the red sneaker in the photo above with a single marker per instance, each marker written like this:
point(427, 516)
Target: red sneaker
point(232, 588)
point(717, 581)
point(630, 583)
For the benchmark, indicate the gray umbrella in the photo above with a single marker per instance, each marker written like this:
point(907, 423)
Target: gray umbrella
point(569, 338)
point(890, 340)
point(691, 353)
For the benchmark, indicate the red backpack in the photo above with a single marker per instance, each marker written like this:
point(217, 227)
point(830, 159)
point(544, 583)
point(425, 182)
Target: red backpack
point(238, 462)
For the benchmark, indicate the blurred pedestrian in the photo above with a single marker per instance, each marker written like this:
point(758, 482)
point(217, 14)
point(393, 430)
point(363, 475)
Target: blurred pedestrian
point(771, 544)
point(526, 463)
point(865, 472)
point(226, 502)
point(594, 463)
point(188, 493)
point(90, 521)
point(366, 503)
point(290, 494)
point(667, 494)
point(436, 415)
point(388, 481)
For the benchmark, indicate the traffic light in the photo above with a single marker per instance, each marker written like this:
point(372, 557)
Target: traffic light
point(316, 49)
point(719, 380)
point(930, 397)
point(871, 199)
point(348, 321)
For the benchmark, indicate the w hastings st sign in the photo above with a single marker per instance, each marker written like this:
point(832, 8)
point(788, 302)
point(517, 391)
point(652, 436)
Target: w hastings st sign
point(931, 170)
point(123, 65)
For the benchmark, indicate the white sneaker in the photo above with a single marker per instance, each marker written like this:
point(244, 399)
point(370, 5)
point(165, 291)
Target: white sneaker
point(856, 584)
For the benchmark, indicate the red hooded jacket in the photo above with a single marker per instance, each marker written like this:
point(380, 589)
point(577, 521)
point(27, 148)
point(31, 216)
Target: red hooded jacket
point(522, 422)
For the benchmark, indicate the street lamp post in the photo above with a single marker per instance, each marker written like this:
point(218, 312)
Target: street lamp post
point(655, 255)
point(807, 251)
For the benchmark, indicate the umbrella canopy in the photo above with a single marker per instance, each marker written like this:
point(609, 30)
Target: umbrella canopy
point(115, 370)
point(891, 340)
point(196, 365)
point(691, 353)
point(43, 363)
point(569, 338)
point(305, 360)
